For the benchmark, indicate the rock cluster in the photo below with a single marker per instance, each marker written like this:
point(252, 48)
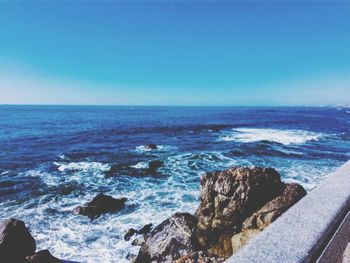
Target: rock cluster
point(18, 246)
point(236, 204)
point(99, 205)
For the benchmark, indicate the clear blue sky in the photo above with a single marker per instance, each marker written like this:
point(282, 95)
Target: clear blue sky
point(175, 53)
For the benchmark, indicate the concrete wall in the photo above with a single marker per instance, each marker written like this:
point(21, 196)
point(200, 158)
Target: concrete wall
point(302, 233)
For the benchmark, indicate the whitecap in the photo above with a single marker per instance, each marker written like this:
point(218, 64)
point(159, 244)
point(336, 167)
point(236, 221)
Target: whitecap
point(144, 148)
point(82, 166)
point(286, 137)
point(4, 172)
point(140, 165)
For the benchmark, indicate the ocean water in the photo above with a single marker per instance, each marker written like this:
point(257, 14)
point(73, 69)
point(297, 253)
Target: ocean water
point(54, 158)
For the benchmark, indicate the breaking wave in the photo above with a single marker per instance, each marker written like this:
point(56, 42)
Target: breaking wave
point(286, 137)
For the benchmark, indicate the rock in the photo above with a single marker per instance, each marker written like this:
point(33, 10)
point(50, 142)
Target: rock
point(129, 234)
point(139, 241)
point(146, 229)
point(200, 257)
point(260, 219)
point(151, 146)
point(291, 194)
point(227, 199)
point(16, 242)
point(154, 165)
point(42, 256)
point(142, 231)
point(101, 204)
point(242, 238)
point(170, 240)
point(131, 257)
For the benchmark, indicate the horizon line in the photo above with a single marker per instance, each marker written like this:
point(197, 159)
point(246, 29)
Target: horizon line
point(175, 105)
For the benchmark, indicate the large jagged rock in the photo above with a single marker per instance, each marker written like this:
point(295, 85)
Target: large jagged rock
point(101, 204)
point(228, 198)
point(42, 256)
point(259, 220)
point(169, 240)
point(16, 242)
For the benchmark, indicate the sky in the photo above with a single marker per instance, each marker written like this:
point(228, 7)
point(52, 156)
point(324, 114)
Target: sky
point(175, 53)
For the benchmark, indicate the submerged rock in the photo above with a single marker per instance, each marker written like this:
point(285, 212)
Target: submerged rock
point(16, 242)
point(42, 256)
point(154, 165)
point(170, 240)
point(145, 169)
point(101, 204)
point(151, 146)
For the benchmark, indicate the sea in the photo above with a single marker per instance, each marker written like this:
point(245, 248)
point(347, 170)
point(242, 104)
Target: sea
point(54, 158)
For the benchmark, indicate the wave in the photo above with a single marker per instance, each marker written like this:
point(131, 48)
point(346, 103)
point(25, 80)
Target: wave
point(144, 148)
point(82, 166)
point(286, 137)
point(140, 165)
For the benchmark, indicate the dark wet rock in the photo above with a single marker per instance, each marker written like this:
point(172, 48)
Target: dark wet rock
point(129, 234)
point(101, 204)
point(16, 242)
point(227, 199)
point(170, 240)
point(131, 257)
point(139, 241)
point(151, 146)
point(200, 256)
point(146, 229)
point(260, 219)
point(154, 165)
point(42, 256)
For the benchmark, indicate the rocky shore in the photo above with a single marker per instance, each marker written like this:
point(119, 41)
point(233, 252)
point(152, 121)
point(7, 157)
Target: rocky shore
point(235, 205)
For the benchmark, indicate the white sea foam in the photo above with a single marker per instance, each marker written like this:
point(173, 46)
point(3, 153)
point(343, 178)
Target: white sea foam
point(83, 166)
point(144, 148)
point(151, 200)
point(307, 173)
point(4, 172)
point(286, 137)
point(140, 165)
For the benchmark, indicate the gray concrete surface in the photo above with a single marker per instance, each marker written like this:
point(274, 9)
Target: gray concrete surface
point(337, 250)
point(302, 232)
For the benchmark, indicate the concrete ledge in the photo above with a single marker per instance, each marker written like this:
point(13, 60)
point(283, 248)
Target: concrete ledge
point(302, 232)
point(336, 249)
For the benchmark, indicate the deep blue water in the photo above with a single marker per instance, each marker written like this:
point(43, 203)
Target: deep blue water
point(54, 158)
